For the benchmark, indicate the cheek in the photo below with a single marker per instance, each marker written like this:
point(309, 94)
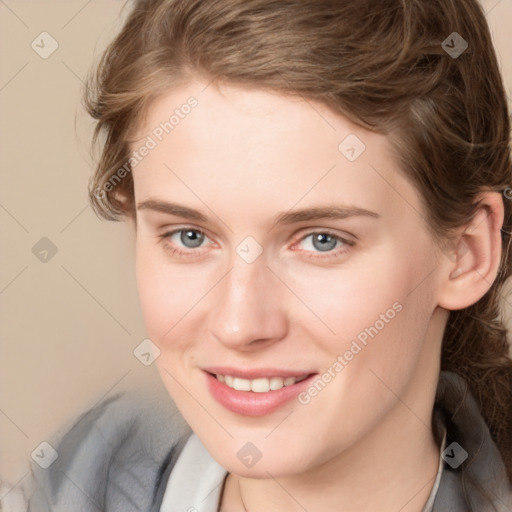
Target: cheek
point(161, 291)
point(393, 320)
point(352, 297)
point(168, 294)
point(373, 313)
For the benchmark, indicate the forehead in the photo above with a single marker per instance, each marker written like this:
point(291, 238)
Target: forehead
point(258, 147)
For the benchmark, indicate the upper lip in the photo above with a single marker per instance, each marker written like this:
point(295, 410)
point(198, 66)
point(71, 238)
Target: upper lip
point(255, 373)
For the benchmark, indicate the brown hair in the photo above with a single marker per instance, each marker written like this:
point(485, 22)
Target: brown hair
point(382, 64)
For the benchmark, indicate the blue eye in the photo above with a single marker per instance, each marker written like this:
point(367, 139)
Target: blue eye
point(322, 242)
point(190, 238)
point(186, 238)
point(190, 242)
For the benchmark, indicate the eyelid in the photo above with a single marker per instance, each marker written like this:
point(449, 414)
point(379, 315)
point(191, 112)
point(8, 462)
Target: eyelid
point(348, 238)
point(165, 235)
point(325, 256)
point(171, 230)
point(303, 234)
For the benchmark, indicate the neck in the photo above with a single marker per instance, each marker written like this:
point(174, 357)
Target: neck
point(396, 475)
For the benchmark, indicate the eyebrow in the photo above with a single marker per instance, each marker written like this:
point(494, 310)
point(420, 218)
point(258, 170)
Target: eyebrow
point(289, 217)
point(172, 209)
point(323, 212)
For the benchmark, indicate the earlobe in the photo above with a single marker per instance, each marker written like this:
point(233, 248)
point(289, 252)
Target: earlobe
point(469, 274)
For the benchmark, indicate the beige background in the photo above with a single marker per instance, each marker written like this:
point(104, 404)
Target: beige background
point(69, 325)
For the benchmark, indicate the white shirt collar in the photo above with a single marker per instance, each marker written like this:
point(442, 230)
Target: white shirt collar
point(196, 481)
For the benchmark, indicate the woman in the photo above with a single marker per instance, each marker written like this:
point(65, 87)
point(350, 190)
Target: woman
point(322, 234)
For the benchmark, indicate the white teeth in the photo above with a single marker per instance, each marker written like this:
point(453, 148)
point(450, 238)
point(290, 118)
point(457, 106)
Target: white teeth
point(276, 383)
point(261, 385)
point(241, 384)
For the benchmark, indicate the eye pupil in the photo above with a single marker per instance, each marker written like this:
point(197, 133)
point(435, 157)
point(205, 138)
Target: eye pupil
point(191, 238)
point(324, 242)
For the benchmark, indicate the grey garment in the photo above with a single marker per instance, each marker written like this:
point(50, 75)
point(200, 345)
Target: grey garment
point(119, 456)
point(196, 482)
point(480, 483)
point(114, 458)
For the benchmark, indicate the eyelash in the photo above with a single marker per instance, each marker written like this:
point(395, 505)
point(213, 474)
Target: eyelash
point(335, 253)
point(338, 252)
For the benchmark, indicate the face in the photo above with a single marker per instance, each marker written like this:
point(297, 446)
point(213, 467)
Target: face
point(285, 274)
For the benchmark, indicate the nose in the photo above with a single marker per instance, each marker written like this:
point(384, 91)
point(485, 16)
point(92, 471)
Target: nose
point(249, 309)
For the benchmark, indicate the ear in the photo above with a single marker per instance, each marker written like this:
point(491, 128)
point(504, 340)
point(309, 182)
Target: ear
point(470, 269)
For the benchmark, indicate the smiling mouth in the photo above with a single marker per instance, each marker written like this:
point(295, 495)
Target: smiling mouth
point(255, 392)
point(259, 385)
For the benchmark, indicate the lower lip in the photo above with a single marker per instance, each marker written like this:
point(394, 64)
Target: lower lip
point(250, 403)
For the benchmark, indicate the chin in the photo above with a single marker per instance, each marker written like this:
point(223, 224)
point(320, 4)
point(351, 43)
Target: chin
point(276, 458)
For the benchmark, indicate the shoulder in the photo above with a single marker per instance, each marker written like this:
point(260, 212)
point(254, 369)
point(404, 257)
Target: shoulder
point(474, 476)
point(113, 457)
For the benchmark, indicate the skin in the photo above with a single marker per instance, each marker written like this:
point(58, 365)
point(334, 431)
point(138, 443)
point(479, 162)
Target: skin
point(241, 158)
